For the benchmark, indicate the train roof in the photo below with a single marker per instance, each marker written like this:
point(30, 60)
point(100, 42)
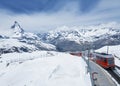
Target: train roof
point(104, 55)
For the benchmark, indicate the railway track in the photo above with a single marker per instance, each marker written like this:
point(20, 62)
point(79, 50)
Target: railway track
point(117, 67)
point(114, 74)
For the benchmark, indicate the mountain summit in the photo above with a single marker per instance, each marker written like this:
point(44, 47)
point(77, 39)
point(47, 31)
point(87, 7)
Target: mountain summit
point(17, 30)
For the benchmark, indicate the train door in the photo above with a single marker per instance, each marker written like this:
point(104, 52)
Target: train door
point(104, 62)
point(110, 62)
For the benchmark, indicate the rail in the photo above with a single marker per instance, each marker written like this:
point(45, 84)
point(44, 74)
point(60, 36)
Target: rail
point(114, 74)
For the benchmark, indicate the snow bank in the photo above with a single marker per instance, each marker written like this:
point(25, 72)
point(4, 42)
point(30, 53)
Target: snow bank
point(45, 69)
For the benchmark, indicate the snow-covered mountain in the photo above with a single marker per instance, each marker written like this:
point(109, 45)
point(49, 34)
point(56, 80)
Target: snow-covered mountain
point(17, 30)
point(82, 37)
point(13, 45)
point(20, 41)
point(66, 38)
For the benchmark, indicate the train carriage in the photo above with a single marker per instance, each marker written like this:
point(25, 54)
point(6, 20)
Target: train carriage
point(104, 60)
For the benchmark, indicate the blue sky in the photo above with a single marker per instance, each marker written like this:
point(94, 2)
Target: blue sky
point(48, 6)
point(42, 15)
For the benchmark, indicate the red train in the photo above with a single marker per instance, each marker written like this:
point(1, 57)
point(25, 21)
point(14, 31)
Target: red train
point(103, 59)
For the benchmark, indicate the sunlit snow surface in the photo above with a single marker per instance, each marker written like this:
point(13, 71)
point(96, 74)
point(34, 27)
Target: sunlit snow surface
point(42, 68)
point(8, 43)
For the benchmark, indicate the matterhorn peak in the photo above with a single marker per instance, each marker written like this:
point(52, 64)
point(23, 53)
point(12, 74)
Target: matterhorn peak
point(17, 27)
point(17, 30)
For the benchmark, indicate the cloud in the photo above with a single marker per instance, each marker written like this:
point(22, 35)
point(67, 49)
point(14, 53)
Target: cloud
point(70, 12)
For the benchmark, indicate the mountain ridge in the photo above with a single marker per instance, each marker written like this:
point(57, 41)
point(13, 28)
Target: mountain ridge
point(76, 38)
point(79, 38)
point(21, 41)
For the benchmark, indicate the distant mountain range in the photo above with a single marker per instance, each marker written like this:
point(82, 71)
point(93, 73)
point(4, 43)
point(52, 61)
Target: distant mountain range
point(63, 38)
point(79, 38)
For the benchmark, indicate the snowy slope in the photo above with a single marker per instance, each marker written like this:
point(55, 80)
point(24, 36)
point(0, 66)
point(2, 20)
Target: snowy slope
point(44, 69)
point(6, 43)
point(13, 45)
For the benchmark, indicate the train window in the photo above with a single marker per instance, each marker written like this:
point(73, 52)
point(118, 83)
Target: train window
point(105, 60)
point(110, 61)
point(99, 57)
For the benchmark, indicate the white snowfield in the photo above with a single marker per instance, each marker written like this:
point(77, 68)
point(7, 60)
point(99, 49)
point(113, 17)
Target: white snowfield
point(8, 43)
point(43, 68)
point(115, 50)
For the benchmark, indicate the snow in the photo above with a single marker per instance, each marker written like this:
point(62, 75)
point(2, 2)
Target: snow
point(8, 43)
point(13, 42)
point(30, 35)
point(88, 33)
point(17, 30)
point(47, 46)
point(43, 68)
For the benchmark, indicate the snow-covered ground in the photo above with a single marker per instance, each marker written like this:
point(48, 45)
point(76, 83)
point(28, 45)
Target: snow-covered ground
point(8, 43)
point(43, 68)
point(115, 50)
